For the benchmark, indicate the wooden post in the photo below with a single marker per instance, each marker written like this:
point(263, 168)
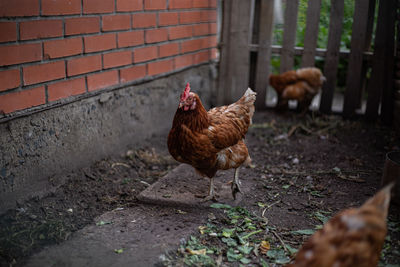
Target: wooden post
point(311, 34)
point(354, 70)
point(289, 35)
point(382, 64)
point(224, 67)
point(332, 55)
point(264, 51)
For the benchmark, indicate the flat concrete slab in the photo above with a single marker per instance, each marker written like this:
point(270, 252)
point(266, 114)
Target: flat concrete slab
point(184, 187)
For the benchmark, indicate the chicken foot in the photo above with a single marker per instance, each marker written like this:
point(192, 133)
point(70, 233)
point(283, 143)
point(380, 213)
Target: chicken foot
point(236, 184)
point(211, 192)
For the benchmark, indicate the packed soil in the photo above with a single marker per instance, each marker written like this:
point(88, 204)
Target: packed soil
point(304, 170)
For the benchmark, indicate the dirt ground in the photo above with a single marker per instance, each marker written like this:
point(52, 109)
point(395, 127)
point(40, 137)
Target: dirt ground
point(304, 170)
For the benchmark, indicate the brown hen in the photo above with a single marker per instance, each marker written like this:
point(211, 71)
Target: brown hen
point(213, 140)
point(352, 238)
point(301, 85)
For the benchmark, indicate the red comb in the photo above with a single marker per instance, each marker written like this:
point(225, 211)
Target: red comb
point(185, 93)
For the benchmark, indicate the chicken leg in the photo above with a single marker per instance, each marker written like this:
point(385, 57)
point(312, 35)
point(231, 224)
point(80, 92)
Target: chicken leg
point(236, 184)
point(211, 192)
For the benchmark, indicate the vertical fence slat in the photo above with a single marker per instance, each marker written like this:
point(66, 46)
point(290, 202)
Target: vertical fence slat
point(311, 34)
point(332, 55)
point(379, 77)
point(388, 88)
point(289, 35)
point(239, 49)
point(264, 51)
point(354, 70)
point(223, 95)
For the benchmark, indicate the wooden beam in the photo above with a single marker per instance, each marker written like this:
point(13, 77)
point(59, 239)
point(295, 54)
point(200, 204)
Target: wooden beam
point(332, 56)
point(264, 51)
point(311, 33)
point(289, 35)
point(379, 77)
point(355, 67)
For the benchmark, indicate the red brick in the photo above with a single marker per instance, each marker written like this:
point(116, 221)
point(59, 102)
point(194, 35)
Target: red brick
point(97, 7)
point(116, 22)
point(200, 29)
point(213, 3)
point(61, 7)
point(191, 45)
point(208, 15)
point(19, 8)
point(82, 25)
point(200, 57)
point(133, 38)
point(160, 67)
point(44, 72)
point(179, 32)
point(155, 4)
point(66, 89)
point(168, 18)
point(8, 31)
point(132, 73)
point(40, 29)
point(189, 17)
point(100, 43)
point(144, 54)
point(144, 20)
point(169, 49)
point(200, 3)
point(22, 100)
point(183, 61)
point(9, 79)
point(210, 41)
point(15, 54)
point(62, 48)
point(116, 59)
point(83, 65)
point(176, 4)
point(213, 28)
point(156, 35)
point(102, 80)
point(129, 5)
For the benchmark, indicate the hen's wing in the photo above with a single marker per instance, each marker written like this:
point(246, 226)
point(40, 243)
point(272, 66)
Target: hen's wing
point(229, 124)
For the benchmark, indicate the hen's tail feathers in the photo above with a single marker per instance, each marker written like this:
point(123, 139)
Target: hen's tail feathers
point(381, 200)
point(248, 99)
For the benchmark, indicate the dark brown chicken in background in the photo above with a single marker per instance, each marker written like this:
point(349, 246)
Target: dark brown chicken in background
point(301, 85)
point(213, 140)
point(352, 238)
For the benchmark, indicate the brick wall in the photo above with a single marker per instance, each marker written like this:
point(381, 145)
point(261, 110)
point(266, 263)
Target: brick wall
point(54, 51)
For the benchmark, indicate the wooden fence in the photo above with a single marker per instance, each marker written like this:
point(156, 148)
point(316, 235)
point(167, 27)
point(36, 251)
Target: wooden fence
point(246, 48)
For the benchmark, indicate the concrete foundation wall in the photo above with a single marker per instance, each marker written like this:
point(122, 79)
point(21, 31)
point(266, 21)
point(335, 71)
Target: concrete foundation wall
point(36, 148)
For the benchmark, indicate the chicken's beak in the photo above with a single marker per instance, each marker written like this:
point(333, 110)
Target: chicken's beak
point(181, 104)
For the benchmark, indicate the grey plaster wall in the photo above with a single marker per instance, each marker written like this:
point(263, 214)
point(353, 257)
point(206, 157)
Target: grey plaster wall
point(37, 148)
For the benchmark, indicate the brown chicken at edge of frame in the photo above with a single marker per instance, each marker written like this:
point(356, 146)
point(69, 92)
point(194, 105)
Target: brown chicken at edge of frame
point(213, 140)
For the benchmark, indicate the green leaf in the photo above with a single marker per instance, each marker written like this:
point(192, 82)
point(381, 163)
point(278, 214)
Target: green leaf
point(229, 241)
point(321, 217)
point(303, 232)
point(278, 255)
point(100, 223)
point(220, 206)
point(245, 260)
point(245, 249)
point(286, 186)
point(228, 232)
point(119, 251)
point(263, 263)
point(232, 256)
point(291, 250)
